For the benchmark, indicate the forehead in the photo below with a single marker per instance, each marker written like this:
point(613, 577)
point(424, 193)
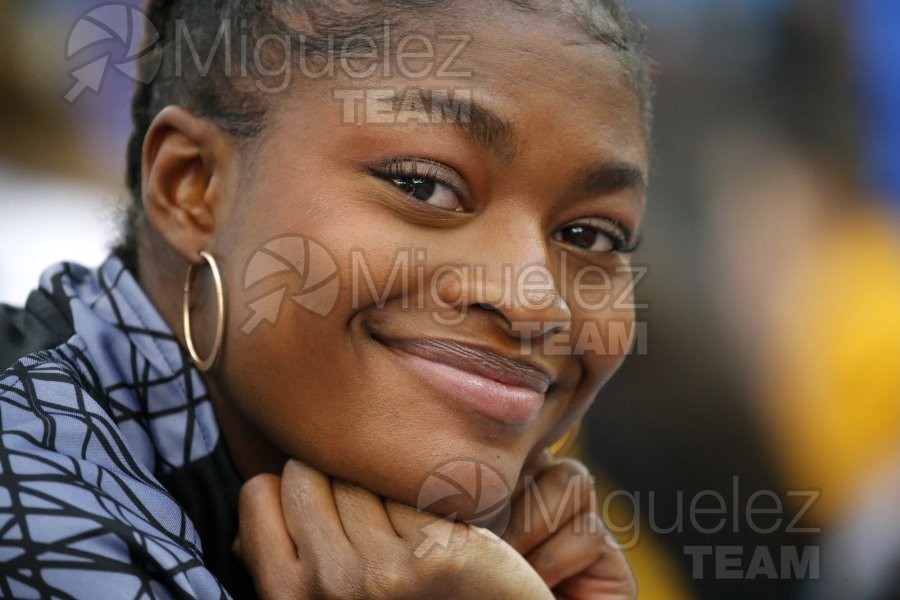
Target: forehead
point(552, 84)
point(540, 71)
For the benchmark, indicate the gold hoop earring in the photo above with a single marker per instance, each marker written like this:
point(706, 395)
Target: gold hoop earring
point(564, 444)
point(204, 364)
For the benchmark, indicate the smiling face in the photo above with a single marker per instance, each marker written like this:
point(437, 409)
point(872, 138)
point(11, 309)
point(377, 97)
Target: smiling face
point(514, 215)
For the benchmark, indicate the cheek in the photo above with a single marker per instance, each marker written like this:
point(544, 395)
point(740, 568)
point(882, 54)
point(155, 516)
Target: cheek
point(603, 319)
point(602, 342)
point(601, 337)
point(286, 191)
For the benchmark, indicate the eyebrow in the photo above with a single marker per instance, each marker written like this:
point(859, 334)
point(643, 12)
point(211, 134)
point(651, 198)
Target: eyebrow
point(475, 121)
point(606, 178)
point(488, 129)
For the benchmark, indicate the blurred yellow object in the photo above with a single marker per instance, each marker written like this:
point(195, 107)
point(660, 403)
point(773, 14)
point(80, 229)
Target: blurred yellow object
point(567, 442)
point(658, 578)
point(833, 396)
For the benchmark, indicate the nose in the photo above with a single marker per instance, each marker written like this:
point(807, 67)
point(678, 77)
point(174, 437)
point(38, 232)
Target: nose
point(518, 280)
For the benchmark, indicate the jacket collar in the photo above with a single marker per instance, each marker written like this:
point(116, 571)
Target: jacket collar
point(151, 386)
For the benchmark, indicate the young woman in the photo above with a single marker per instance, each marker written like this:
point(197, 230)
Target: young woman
point(373, 245)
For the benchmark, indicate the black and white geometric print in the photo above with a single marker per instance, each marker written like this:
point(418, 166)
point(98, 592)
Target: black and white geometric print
point(87, 430)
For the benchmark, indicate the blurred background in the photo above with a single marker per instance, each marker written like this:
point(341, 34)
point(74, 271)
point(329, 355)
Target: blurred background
point(753, 451)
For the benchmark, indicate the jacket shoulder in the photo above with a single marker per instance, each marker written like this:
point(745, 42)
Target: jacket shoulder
point(82, 516)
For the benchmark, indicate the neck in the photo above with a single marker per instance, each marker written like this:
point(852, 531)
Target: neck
point(162, 278)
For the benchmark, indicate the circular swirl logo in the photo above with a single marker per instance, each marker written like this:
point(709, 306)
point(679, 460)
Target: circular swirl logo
point(468, 483)
point(112, 35)
point(309, 263)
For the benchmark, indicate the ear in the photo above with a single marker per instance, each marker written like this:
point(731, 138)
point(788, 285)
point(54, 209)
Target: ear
point(185, 164)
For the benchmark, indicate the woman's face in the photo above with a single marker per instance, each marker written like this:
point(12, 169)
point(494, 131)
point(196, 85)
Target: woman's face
point(480, 302)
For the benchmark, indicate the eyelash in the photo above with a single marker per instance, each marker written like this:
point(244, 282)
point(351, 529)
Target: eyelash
point(624, 241)
point(407, 168)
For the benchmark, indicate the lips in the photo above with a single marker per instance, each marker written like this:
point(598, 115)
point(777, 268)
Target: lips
point(508, 390)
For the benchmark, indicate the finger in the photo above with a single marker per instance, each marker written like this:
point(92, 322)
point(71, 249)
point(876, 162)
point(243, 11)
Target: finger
point(613, 564)
point(583, 561)
point(264, 543)
point(310, 513)
point(569, 552)
point(561, 491)
point(421, 530)
point(405, 520)
point(363, 516)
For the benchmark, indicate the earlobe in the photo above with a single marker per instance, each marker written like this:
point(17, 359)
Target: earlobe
point(181, 158)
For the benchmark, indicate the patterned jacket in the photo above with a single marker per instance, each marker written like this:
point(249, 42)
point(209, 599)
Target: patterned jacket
point(114, 479)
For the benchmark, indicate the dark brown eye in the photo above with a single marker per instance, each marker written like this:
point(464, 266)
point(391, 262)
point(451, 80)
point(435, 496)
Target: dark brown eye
point(426, 181)
point(429, 191)
point(417, 187)
point(598, 234)
point(587, 237)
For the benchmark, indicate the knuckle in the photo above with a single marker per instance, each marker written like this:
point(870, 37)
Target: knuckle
point(339, 579)
point(256, 490)
point(633, 588)
point(628, 586)
point(387, 581)
point(592, 525)
point(452, 566)
point(574, 474)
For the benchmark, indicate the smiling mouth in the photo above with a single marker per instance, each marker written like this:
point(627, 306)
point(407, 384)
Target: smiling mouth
point(506, 390)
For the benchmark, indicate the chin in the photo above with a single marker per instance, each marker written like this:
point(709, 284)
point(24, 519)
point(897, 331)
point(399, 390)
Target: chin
point(475, 488)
